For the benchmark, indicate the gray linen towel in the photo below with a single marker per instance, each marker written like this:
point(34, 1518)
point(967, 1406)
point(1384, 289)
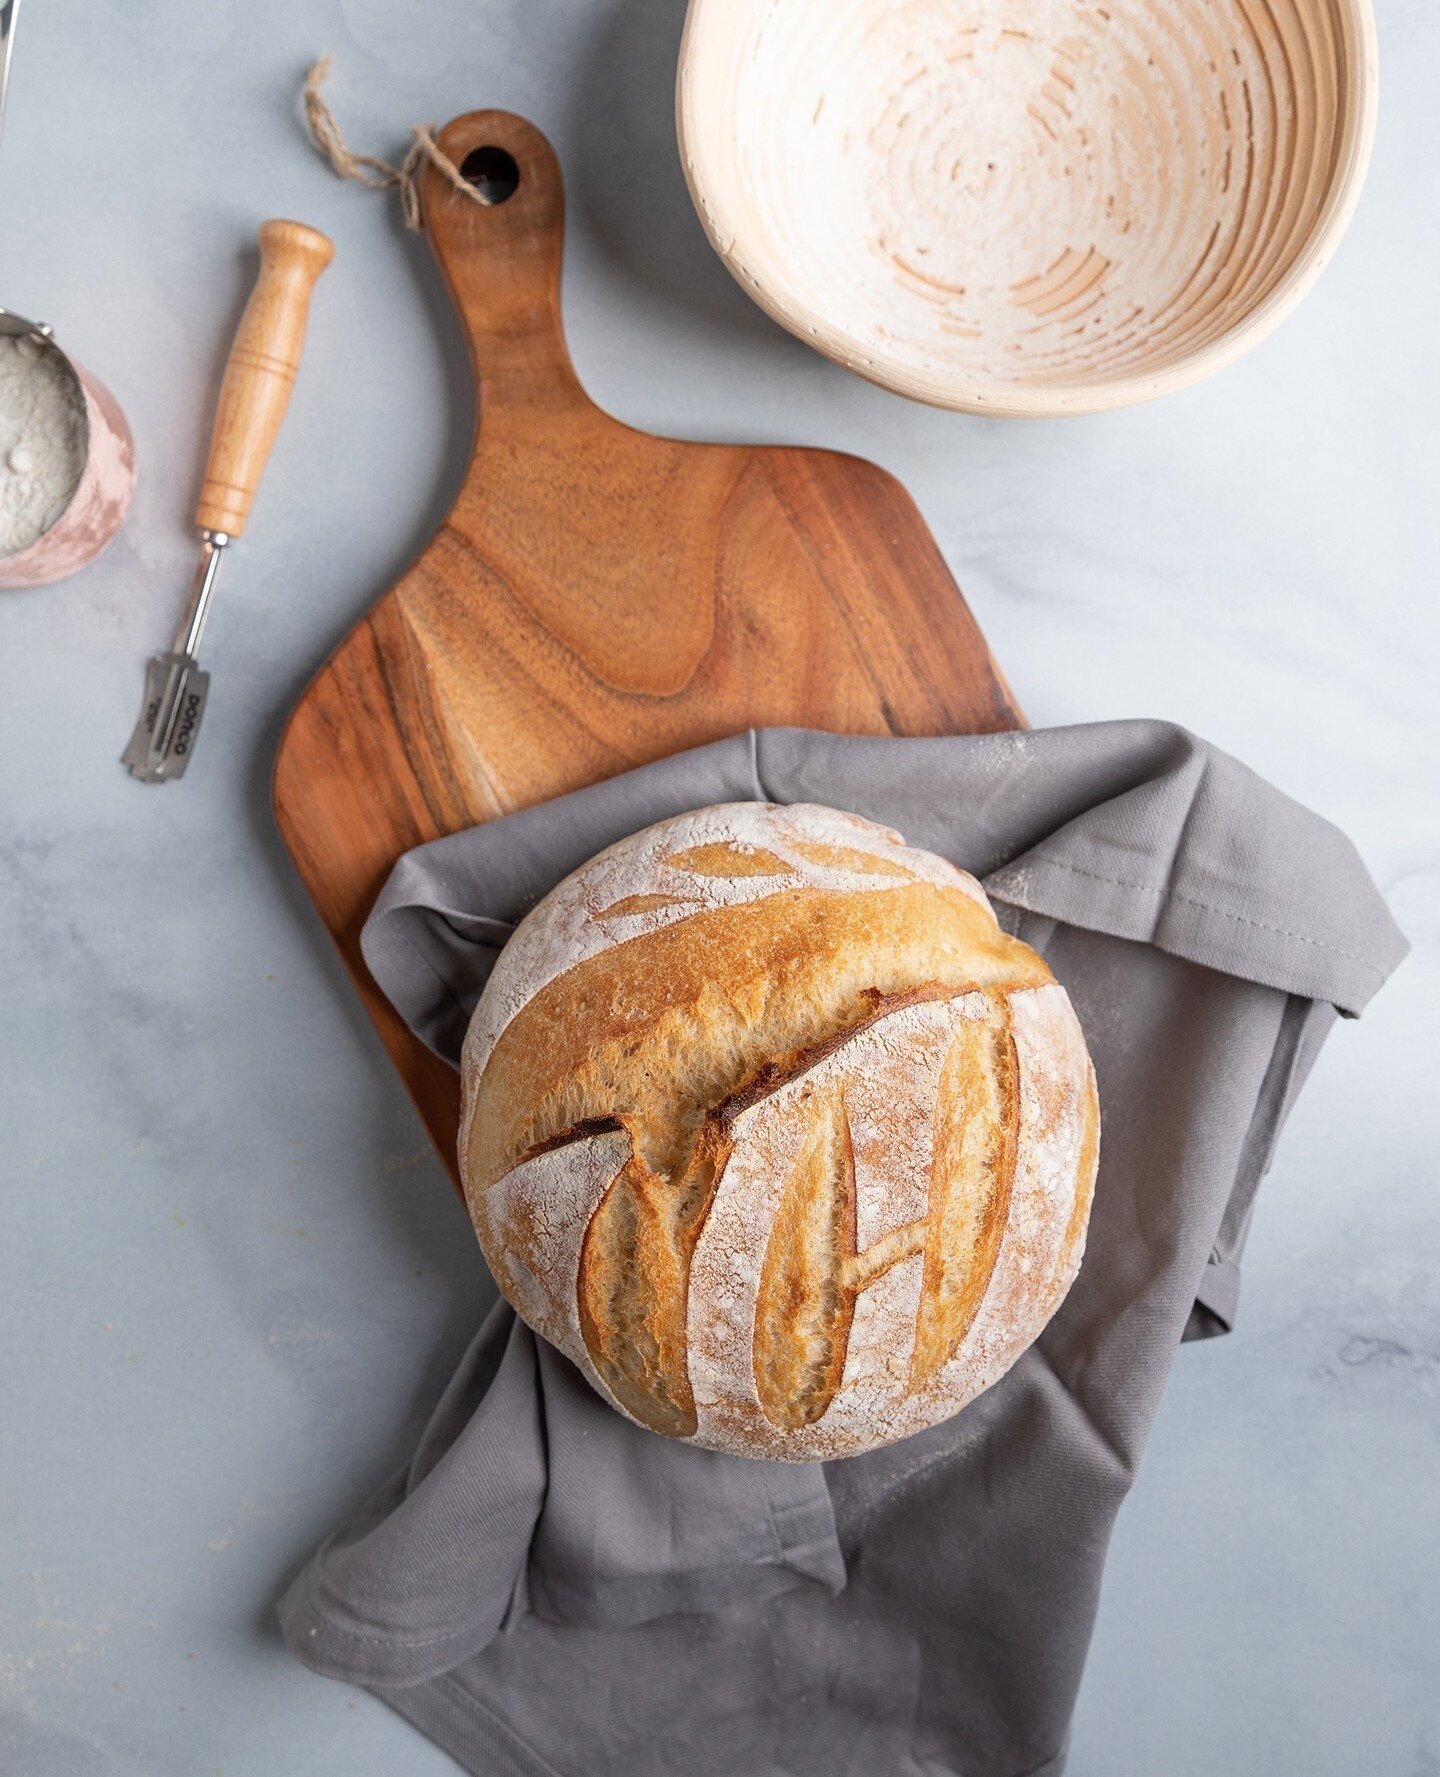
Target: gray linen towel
point(547, 1589)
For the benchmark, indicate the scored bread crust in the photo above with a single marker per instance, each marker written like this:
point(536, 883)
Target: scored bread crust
point(636, 887)
point(859, 1228)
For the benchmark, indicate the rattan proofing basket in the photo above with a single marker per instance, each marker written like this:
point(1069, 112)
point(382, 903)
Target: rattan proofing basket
point(1027, 206)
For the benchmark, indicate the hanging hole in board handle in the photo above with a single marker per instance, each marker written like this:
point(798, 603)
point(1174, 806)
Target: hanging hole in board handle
point(493, 172)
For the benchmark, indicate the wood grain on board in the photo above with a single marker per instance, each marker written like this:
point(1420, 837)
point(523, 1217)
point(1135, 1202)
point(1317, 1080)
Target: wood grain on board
point(597, 598)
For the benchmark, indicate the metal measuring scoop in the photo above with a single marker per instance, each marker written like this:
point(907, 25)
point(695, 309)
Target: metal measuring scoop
point(96, 508)
point(8, 11)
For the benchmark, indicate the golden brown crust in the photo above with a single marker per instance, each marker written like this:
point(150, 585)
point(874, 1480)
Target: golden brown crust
point(631, 1286)
point(729, 859)
point(806, 1301)
point(634, 1283)
point(663, 1026)
point(772, 1129)
point(977, 1117)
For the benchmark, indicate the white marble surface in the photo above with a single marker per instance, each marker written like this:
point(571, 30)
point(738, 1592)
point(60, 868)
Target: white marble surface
point(233, 1274)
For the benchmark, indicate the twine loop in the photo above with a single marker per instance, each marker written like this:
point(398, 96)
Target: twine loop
point(368, 169)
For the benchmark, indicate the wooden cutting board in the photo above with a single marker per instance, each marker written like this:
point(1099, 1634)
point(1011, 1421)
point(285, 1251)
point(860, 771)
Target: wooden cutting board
point(597, 598)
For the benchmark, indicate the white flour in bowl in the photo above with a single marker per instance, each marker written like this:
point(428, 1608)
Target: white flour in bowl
point(42, 440)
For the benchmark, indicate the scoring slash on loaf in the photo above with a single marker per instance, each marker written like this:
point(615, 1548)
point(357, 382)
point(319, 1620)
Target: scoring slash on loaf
point(772, 1130)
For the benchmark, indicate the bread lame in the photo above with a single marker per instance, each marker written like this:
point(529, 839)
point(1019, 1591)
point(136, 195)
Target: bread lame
point(259, 374)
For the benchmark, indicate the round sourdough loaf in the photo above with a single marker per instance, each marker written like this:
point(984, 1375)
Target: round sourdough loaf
point(773, 1131)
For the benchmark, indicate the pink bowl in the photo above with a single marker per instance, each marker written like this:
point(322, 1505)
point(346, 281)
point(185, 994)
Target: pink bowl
point(101, 499)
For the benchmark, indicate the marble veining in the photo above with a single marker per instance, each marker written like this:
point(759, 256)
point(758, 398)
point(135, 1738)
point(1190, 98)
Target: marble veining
point(234, 1280)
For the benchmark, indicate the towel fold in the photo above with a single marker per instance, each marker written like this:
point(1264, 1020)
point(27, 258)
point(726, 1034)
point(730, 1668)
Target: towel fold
point(548, 1589)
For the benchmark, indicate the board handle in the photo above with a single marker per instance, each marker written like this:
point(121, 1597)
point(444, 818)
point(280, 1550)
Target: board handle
point(260, 372)
point(500, 257)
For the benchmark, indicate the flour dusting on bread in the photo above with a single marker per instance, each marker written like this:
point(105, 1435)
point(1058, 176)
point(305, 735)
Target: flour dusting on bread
point(772, 1130)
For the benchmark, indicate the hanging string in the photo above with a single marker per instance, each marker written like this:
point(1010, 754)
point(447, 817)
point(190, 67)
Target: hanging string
point(379, 175)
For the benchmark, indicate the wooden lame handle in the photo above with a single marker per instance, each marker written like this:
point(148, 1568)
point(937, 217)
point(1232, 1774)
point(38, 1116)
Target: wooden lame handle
point(260, 372)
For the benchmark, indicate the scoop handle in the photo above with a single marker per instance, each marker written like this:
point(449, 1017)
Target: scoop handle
point(260, 372)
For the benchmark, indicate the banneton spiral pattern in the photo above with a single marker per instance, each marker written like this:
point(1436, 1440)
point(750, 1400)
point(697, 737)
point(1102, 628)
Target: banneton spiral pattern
point(1033, 206)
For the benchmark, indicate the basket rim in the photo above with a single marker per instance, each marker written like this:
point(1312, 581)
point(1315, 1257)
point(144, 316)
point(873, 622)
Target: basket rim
point(963, 392)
